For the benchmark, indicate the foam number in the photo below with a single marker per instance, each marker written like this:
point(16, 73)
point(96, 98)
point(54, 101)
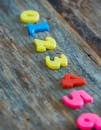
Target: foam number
point(38, 27)
point(29, 16)
point(41, 45)
point(77, 99)
point(57, 62)
point(71, 80)
point(89, 121)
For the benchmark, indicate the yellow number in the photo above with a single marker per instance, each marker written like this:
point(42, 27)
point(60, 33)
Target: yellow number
point(41, 45)
point(29, 16)
point(58, 62)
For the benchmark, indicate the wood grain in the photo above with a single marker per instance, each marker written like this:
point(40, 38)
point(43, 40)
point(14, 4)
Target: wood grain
point(30, 93)
point(84, 16)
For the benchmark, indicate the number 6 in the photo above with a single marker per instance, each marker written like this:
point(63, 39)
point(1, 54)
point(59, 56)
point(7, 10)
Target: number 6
point(88, 121)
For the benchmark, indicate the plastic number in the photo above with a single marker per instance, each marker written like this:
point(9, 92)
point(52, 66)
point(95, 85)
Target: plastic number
point(57, 62)
point(88, 121)
point(38, 27)
point(77, 99)
point(71, 80)
point(29, 16)
point(42, 45)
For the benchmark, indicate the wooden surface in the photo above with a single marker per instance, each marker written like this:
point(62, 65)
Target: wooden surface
point(30, 93)
point(84, 16)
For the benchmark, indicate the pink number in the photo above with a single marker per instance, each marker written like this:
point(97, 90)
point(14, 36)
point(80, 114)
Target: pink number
point(77, 99)
point(88, 121)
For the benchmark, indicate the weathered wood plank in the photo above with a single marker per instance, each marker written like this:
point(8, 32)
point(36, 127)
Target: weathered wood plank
point(30, 93)
point(84, 16)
